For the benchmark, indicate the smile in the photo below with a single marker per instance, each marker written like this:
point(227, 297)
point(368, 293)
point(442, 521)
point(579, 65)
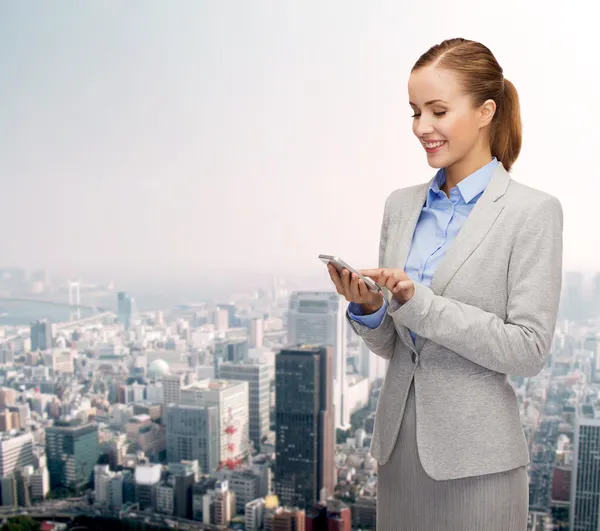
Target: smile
point(432, 147)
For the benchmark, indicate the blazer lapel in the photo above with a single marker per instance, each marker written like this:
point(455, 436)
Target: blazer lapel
point(400, 251)
point(471, 234)
point(478, 224)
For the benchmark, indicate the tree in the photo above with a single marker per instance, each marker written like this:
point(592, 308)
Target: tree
point(21, 523)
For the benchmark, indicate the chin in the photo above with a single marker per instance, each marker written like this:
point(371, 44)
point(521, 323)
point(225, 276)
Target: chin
point(441, 160)
point(437, 162)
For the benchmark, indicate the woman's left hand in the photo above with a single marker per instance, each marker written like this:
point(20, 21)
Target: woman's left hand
point(396, 280)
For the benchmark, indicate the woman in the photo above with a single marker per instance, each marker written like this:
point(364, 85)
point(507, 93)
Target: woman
point(472, 266)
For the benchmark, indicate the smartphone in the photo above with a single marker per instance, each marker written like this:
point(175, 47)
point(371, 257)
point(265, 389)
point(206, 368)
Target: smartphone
point(339, 264)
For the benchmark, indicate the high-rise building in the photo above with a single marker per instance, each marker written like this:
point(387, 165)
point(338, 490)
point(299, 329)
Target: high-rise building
point(305, 434)
point(165, 497)
point(172, 385)
point(193, 435)
point(257, 326)
point(257, 376)
point(248, 485)
point(333, 516)
point(102, 481)
point(125, 309)
point(231, 399)
point(41, 335)
point(72, 450)
point(229, 351)
point(254, 514)
point(318, 318)
point(9, 491)
point(219, 505)
point(147, 479)
point(585, 477)
point(16, 452)
point(230, 309)
point(8, 396)
point(185, 474)
point(285, 519)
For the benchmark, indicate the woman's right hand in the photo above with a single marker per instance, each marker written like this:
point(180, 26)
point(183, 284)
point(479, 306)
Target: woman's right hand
point(355, 290)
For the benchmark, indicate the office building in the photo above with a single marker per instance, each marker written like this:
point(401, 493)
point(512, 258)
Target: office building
point(257, 376)
point(257, 330)
point(585, 477)
point(165, 497)
point(218, 505)
point(254, 514)
point(193, 435)
point(231, 399)
point(72, 451)
point(184, 474)
point(318, 318)
point(147, 479)
point(305, 434)
point(41, 335)
point(229, 351)
point(285, 519)
point(16, 452)
point(172, 385)
point(125, 309)
point(333, 516)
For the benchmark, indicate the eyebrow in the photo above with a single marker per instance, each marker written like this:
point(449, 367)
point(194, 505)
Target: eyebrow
point(431, 102)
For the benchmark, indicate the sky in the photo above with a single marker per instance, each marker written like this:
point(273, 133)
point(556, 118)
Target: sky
point(223, 138)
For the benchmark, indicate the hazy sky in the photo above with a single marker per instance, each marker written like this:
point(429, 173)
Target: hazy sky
point(186, 138)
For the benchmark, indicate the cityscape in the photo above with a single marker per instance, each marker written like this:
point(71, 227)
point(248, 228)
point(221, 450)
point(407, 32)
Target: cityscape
point(173, 354)
point(252, 412)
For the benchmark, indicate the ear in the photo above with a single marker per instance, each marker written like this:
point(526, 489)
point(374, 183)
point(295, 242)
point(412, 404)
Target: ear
point(486, 112)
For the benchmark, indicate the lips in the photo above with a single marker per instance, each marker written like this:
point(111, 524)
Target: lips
point(433, 146)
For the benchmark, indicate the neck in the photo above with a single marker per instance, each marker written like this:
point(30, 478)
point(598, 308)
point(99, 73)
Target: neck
point(464, 167)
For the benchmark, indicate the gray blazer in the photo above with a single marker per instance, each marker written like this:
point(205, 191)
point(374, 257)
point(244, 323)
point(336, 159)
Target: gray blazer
point(490, 311)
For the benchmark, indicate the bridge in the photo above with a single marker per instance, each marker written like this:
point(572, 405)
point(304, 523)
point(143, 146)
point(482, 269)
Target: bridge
point(66, 324)
point(54, 303)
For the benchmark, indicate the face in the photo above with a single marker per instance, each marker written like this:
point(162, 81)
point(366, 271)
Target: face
point(449, 127)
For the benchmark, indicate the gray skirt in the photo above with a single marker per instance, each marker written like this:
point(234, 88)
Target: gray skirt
point(410, 500)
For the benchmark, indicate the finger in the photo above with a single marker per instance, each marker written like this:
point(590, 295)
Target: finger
point(346, 282)
point(335, 277)
point(390, 277)
point(354, 291)
point(402, 285)
point(371, 273)
point(363, 290)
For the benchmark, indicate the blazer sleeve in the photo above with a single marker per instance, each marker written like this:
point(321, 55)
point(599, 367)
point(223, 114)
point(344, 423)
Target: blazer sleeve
point(382, 339)
point(520, 345)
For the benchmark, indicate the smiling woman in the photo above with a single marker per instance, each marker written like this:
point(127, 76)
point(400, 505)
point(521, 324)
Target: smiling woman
point(472, 266)
point(465, 110)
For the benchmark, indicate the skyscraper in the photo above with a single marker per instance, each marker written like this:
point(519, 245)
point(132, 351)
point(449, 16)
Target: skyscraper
point(41, 335)
point(305, 431)
point(125, 305)
point(231, 399)
point(257, 376)
point(585, 478)
point(16, 452)
point(193, 435)
point(72, 450)
point(172, 385)
point(317, 318)
point(229, 350)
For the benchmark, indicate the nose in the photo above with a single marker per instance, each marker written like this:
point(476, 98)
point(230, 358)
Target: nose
point(423, 126)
